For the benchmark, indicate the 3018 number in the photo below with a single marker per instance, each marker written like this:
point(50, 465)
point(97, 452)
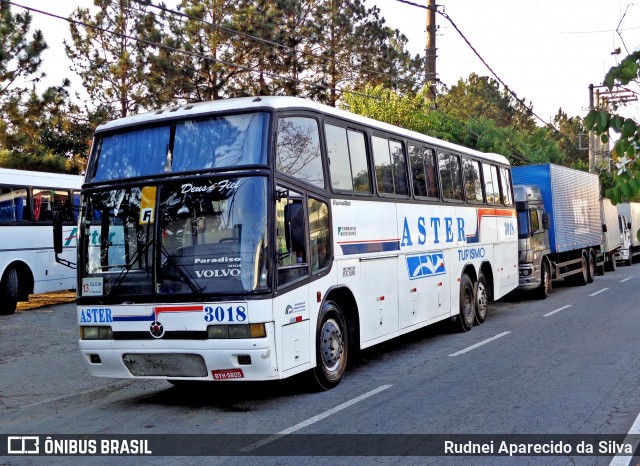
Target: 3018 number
point(220, 314)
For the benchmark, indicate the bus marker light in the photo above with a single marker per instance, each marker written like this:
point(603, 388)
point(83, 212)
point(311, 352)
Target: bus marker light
point(318, 296)
point(413, 290)
point(381, 298)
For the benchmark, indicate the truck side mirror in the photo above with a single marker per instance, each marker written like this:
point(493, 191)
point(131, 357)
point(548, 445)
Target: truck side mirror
point(546, 220)
point(604, 228)
point(628, 225)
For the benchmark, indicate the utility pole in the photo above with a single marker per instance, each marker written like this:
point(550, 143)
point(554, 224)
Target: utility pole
point(592, 137)
point(430, 71)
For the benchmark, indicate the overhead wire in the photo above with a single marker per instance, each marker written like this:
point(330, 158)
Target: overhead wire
point(226, 63)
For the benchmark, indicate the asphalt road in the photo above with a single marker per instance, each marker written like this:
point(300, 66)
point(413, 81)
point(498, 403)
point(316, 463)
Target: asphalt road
point(565, 368)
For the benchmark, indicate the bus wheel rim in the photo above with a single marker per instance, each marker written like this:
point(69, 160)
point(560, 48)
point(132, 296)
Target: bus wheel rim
point(331, 345)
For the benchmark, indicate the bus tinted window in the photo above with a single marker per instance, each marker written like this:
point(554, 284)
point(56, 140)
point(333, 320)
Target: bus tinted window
point(320, 237)
point(399, 168)
point(423, 171)
point(491, 188)
point(220, 142)
point(14, 206)
point(391, 172)
point(449, 167)
point(505, 179)
point(46, 200)
point(298, 150)
point(347, 159)
point(216, 142)
point(472, 184)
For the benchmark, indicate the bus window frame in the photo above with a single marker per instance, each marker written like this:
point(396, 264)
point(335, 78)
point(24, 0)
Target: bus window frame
point(403, 143)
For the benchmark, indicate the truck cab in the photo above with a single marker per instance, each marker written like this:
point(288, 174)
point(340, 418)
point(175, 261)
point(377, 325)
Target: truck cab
point(624, 253)
point(533, 235)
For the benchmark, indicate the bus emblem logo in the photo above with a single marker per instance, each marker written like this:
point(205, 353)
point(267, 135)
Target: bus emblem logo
point(156, 329)
point(425, 265)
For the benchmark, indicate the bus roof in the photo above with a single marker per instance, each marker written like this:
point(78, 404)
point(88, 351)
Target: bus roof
point(281, 103)
point(39, 179)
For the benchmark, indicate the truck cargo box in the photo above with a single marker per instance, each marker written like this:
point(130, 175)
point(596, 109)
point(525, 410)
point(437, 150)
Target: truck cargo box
point(572, 200)
point(611, 238)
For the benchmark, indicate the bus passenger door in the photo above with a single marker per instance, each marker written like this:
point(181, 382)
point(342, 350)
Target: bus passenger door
point(291, 306)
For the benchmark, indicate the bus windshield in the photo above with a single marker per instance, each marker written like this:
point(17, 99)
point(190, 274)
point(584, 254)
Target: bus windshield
point(227, 141)
point(200, 236)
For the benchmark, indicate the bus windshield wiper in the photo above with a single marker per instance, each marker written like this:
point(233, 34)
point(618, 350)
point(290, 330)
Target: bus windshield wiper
point(195, 288)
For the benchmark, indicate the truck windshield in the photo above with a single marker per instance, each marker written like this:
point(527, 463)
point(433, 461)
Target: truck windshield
point(200, 236)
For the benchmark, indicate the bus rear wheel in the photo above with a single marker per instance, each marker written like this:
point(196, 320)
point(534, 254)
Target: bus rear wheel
point(331, 347)
point(467, 314)
point(482, 299)
point(9, 292)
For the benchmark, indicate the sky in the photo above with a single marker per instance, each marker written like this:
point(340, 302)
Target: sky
point(546, 51)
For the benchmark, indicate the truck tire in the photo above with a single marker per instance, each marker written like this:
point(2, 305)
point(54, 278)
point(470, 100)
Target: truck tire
point(628, 261)
point(582, 278)
point(611, 265)
point(545, 281)
point(591, 269)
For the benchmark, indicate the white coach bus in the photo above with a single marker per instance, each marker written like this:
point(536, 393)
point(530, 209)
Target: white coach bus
point(257, 238)
point(27, 259)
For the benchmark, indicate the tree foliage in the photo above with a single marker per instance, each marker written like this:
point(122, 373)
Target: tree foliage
point(602, 121)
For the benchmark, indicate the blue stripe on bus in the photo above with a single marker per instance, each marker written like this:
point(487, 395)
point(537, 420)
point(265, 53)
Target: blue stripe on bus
point(373, 246)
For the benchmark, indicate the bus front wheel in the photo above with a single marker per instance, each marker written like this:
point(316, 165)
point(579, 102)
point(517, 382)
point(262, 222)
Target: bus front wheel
point(9, 292)
point(331, 347)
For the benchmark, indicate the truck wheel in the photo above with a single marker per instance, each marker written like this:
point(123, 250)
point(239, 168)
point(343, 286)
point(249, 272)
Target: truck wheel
point(482, 299)
point(611, 265)
point(9, 292)
point(583, 277)
point(545, 281)
point(331, 347)
point(591, 269)
point(467, 314)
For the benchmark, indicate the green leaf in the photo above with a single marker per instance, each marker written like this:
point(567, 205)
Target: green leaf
point(628, 128)
point(602, 121)
point(616, 123)
point(604, 137)
point(590, 120)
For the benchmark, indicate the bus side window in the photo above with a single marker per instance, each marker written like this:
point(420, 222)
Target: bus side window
point(423, 171)
point(505, 183)
point(298, 150)
point(319, 235)
point(473, 187)
point(347, 156)
point(291, 254)
point(449, 166)
point(491, 187)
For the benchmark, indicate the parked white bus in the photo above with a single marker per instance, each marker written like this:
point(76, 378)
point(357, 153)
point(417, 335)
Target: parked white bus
point(27, 259)
point(257, 238)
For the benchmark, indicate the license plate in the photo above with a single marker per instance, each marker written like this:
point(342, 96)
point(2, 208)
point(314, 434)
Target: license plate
point(227, 374)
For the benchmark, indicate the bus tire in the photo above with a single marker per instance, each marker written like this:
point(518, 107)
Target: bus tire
point(331, 347)
point(467, 314)
point(9, 292)
point(482, 298)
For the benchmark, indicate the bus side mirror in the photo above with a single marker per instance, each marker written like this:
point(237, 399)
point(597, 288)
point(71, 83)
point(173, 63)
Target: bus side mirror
point(57, 231)
point(294, 226)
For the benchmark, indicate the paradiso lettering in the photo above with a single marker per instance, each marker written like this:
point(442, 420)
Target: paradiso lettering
point(434, 229)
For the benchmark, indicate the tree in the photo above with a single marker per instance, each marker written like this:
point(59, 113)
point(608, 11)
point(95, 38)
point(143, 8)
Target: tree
point(602, 121)
point(482, 96)
point(20, 58)
point(110, 52)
